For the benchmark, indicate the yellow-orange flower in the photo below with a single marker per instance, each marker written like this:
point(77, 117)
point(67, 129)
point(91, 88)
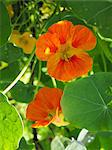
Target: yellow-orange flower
point(64, 48)
point(45, 108)
point(10, 10)
point(24, 41)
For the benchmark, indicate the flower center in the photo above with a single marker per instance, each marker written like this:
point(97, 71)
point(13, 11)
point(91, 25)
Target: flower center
point(66, 51)
point(23, 41)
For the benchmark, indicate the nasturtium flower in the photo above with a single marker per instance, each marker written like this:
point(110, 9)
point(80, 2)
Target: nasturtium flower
point(24, 41)
point(10, 10)
point(45, 108)
point(64, 48)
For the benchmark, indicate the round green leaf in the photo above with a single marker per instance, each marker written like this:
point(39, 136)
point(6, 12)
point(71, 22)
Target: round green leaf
point(5, 28)
point(11, 128)
point(87, 102)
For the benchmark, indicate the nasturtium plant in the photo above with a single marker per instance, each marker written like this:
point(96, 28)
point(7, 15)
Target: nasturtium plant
point(11, 127)
point(55, 75)
point(87, 102)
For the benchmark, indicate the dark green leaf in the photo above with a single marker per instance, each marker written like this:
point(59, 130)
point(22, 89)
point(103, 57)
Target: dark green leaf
point(23, 145)
point(8, 74)
point(96, 54)
point(11, 128)
point(97, 13)
point(101, 53)
point(85, 102)
point(107, 51)
point(9, 53)
point(23, 92)
point(5, 28)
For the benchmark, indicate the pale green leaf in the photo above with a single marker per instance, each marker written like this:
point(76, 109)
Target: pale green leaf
point(11, 128)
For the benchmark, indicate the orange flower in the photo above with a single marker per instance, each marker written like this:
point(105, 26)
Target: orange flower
point(45, 108)
point(24, 41)
point(64, 48)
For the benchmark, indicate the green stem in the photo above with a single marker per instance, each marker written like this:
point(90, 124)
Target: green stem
point(54, 82)
point(20, 74)
point(25, 22)
point(39, 76)
point(33, 66)
point(19, 17)
point(104, 38)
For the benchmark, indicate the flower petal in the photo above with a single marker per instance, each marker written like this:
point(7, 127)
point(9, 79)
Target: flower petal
point(62, 29)
point(27, 42)
point(46, 45)
point(43, 108)
point(59, 119)
point(41, 124)
point(83, 38)
point(14, 38)
point(76, 66)
point(24, 41)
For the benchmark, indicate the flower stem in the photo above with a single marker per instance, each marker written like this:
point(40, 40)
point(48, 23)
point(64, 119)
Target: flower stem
point(54, 82)
point(35, 138)
point(19, 18)
point(32, 69)
point(39, 76)
point(104, 38)
point(20, 74)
